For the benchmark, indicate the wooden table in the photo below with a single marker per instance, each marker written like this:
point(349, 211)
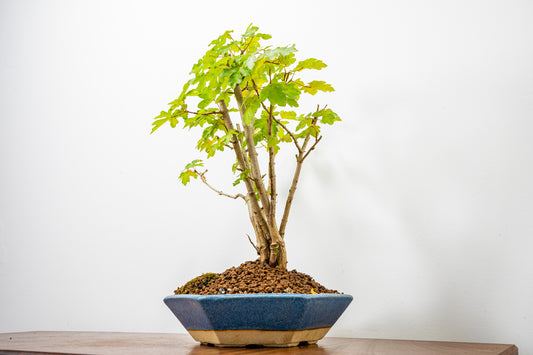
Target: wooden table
point(40, 343)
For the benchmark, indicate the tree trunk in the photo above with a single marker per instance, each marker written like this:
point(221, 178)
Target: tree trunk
point(271, 245)
point(262, 244)
point(270, 248)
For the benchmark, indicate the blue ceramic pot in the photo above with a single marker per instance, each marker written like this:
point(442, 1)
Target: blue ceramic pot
point(269, 319)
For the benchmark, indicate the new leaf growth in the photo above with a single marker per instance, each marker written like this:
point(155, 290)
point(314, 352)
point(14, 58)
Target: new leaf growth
point(261, 84)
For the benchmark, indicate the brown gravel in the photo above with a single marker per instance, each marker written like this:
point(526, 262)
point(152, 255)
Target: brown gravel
point(252, 277)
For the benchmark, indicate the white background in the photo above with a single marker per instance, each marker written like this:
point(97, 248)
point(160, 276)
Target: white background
point(419, 203)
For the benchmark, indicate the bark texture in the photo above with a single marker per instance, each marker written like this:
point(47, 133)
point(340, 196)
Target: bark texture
point(261, 198)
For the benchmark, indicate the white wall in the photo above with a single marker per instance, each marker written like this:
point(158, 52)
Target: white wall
point(424, 192)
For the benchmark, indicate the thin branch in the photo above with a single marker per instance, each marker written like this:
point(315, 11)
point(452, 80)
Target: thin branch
point(276, 120)
point(243, 163)
point(247, 45)
point(235, 138)
point(204, 180)
point(294, 139)
point(252, 152)
point(299, 161)
point(255, 247)
point(257, 93)
point(290, 197)
point(286, 76)
point(312, 147)
point(204, 114)
point(292, 77)
point(306, 141)
point(272, 171)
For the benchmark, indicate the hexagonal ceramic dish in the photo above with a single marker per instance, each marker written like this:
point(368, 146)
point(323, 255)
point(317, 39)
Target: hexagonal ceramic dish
point(268, 319)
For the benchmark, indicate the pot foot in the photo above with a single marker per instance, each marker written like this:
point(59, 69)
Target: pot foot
point(258, 338)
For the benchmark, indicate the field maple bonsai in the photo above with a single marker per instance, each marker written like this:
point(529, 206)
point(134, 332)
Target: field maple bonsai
point(261, 86)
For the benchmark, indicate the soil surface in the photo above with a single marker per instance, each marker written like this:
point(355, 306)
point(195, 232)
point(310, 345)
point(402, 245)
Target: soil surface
point(252, 277)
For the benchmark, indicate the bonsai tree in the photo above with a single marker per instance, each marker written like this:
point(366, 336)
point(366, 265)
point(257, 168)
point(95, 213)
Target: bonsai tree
point(261, 85)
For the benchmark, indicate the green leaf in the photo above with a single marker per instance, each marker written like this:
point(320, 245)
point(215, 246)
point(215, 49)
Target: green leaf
point(281, 94)
point(292, 102)
point(207, 98)
point(194, 163)
point(304, 123)
point(286, 138)
point(174, 104)
point(186, 175)
point(224, 96)
point(226, 139)
point(242, 176)
point(310, 63)
point(158, 123)
point(235, 78)
point(279, 51)
point(250, 62)
point(250, 31)
point(327, 116)
point(221, 39)
point(274, 93)
point(235, 166)
point(163, 114)
point(286, 61)
point(314, 130)
point(209, 131)
point(250, 112)
point(317, 85)
point(244, 72)
point(173, 122)
point(288, 115)
point(263, 35)
point(261, 123)
point(272, 141)
point(258, 137)
point(292, 91)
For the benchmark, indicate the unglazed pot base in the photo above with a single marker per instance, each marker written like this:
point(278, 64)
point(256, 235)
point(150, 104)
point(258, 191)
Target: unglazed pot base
point(268, 338)
point(272, 320)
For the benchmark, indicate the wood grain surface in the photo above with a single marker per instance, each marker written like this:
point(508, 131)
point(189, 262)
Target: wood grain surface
point(175, 344)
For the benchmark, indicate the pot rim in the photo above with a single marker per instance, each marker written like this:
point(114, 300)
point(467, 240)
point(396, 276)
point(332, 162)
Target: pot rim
point(263, 295)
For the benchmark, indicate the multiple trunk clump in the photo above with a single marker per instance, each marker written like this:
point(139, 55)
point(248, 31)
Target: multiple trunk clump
point(262, 85)
point(253, 277)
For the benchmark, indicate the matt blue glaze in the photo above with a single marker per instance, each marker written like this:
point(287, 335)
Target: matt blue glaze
point(265, 311)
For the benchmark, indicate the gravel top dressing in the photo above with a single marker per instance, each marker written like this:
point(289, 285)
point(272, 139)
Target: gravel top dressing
point(252, 277)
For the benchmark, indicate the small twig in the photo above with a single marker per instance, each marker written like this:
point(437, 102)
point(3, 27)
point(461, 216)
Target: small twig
point(277, 121)
point(312, 147)
point(205, 113)
point(289, 132)
point(204, 180)
point(255, 247)
point(247, 45)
